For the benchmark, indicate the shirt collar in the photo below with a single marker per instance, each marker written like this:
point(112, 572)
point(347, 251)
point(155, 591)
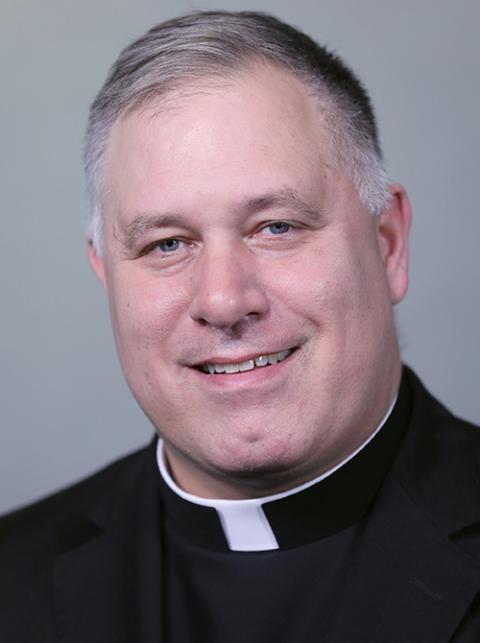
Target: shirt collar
point(319, 505)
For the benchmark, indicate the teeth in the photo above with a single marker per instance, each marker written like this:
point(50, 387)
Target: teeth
point(248, 365)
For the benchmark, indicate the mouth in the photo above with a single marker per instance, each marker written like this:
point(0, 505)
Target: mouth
point(260, 361)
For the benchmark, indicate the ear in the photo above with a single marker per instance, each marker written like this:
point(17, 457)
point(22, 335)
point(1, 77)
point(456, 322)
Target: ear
point(393, 226)
point(96, 262)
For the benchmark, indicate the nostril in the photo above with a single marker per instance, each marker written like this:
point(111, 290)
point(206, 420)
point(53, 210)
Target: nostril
point(201, 321)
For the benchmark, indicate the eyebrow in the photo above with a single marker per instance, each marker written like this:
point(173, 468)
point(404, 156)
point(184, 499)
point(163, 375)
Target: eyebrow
point(284, 199)
point(287, 200)
point(146, 221)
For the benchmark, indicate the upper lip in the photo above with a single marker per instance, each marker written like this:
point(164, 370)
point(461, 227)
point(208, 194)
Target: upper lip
point(240, 358)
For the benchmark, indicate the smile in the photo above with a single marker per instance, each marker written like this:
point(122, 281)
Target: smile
point(248, 365)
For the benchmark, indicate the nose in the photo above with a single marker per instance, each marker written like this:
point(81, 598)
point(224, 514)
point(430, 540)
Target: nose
point(227, 289)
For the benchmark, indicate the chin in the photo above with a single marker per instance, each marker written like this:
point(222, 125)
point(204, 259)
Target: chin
point(256, 462)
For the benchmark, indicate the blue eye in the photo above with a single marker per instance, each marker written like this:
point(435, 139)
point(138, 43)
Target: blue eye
point(279, 227)
point(168, 245)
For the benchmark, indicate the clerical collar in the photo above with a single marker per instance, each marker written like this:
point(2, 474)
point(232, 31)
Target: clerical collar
point(316, 509)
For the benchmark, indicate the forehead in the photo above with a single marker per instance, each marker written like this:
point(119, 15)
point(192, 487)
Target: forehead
point(239, 135)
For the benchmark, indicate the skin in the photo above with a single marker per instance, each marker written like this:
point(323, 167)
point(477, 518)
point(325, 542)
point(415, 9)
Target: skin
point(228, 235)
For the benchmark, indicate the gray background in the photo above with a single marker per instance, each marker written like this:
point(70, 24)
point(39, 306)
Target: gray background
point(65, 409)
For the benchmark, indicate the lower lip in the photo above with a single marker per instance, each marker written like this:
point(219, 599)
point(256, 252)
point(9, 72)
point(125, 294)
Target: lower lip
point(246, 379)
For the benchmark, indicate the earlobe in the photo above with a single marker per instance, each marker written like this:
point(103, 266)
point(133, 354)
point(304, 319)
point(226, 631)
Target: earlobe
point(96, 262)
point(393, 227)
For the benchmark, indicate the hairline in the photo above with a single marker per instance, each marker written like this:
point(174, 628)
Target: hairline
point(339, 137)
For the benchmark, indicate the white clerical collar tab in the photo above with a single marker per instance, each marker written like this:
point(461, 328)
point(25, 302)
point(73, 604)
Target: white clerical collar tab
point(244, 522)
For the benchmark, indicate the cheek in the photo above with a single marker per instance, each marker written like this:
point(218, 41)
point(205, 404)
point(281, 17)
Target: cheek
point(319, 286)
point(144, 311)
point(340, 292)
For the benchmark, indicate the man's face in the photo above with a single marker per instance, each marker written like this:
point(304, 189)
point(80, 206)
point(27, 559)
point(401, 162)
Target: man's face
point(229, 242)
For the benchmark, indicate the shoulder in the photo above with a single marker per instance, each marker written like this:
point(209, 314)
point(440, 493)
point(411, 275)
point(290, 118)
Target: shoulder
point(32, 526)
point(437, 422)
point(34, 539)
point(439, 462)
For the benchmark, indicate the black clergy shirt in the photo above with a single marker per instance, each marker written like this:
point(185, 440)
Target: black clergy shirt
point(216, 595)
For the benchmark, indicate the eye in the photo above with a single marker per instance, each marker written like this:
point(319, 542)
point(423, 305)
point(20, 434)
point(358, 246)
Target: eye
point(168, 245)
point(279, 227)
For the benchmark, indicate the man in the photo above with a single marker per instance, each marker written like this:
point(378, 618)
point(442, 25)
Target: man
point(303, 488)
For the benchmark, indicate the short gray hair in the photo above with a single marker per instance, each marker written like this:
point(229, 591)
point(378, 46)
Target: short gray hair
point(219, 44)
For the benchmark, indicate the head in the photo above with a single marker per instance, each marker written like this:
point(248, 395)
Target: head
point(221, 45)
point(241, 221)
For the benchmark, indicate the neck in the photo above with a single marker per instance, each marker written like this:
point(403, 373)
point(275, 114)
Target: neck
point(235, 490)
